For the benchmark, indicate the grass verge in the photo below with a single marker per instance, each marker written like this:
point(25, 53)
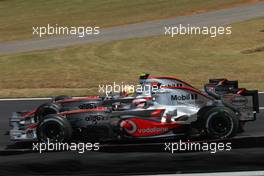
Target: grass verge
point(80, 69)
point(17, 17)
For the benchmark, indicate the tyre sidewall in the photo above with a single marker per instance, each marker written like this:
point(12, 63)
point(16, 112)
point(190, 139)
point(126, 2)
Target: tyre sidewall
point(63, 123)
point(232, 120)
point(43, 109)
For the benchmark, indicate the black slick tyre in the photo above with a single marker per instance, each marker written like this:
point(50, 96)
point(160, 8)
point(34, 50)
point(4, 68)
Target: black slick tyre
point(46, 109)
point(54, 128)
point(220, 123)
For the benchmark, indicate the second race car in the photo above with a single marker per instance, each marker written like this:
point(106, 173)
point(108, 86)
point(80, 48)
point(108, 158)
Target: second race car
point(176, 108)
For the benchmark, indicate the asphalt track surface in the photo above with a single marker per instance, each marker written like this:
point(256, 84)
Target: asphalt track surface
point(127, 160)
point(138, 30)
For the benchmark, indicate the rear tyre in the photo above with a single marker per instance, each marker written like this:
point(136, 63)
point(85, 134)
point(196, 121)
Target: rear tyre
point(220, 123)
point(46, 109)
point(61, 97)
point(54, 128)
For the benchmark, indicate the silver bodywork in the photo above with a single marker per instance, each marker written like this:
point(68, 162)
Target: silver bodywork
point(18, 131)
point(180, 100)
point(242, 104)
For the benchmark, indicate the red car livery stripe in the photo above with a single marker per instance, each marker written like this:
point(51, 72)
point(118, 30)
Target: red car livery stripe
point(28, 114)
point(68, 100)
point(157, 113)
point(32, 126)
point(169, 77)
point(241, 91)
point(84, 110)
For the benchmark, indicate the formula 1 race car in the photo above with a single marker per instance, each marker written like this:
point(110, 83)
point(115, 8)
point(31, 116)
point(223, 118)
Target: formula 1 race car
point(175, 108)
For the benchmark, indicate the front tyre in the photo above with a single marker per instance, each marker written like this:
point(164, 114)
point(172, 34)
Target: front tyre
point(220, 123)
point(46, 109)
point(61, 97)
point(54, 128)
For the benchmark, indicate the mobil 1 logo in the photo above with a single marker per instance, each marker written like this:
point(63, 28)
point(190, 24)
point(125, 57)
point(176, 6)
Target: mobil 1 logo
point(185, 97)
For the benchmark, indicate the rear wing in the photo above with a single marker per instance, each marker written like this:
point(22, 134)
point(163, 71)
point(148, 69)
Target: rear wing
point(245, 101)
point(222, 86)
point(232, 84)
point(255, 98)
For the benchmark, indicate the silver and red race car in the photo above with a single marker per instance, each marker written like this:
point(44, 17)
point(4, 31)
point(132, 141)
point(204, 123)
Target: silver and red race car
point(175, 109)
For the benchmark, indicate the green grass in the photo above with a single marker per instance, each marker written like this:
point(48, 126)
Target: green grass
point(78, 70)
point(17, 17)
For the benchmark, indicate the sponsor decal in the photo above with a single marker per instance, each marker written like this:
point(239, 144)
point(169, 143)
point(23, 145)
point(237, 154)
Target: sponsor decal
point(129, 126)
point(245, 109)
point(96, 118)
point(174, 85)
point(184, 97)
point(239, 101)
point(152, 130)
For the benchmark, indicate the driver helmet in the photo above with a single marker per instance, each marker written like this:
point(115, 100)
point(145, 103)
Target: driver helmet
point(139, 103)
point(128, 91)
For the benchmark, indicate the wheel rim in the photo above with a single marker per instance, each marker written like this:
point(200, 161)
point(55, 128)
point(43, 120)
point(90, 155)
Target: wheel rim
point(52, 131)
point(220, 124)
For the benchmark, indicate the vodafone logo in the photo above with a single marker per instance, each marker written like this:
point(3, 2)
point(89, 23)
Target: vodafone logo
point(153, 130)
point(129, 126)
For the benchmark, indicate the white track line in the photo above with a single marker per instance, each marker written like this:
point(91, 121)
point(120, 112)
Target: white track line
point(243, 173)
point(28, 99)
point(23, 99)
